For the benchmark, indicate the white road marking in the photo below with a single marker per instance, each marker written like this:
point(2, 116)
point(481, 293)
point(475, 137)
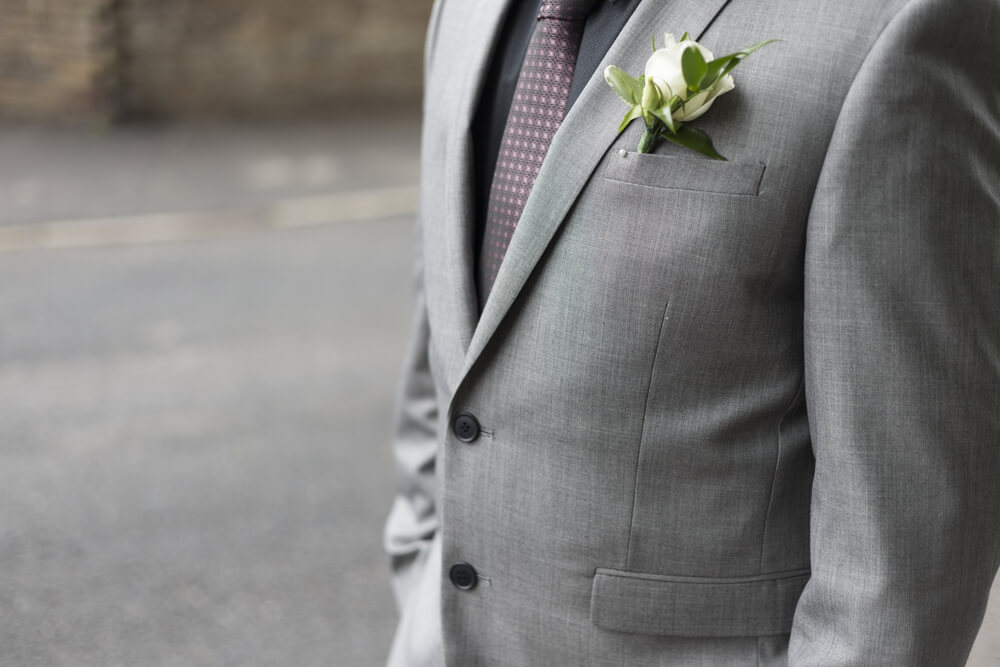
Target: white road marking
point(294, 212)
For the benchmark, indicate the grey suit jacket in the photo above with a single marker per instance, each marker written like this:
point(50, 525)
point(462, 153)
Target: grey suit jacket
point(732, 413)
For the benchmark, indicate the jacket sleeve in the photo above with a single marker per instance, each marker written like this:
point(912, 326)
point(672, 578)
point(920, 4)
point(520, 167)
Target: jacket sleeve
point(902, 345)
point(413, 520)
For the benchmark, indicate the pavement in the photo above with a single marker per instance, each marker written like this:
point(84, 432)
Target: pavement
point(202, 329)
point(194, 460)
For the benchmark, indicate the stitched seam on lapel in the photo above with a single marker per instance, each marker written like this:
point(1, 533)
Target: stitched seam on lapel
point(712, 20)
point(774, 473)
point(642, 435)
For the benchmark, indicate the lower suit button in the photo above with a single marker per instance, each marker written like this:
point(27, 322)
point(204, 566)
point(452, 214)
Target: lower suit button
point(463, 576)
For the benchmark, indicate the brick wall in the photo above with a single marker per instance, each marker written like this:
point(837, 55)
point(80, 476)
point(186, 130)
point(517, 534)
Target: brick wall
point(207, 58)
point(56, 58)
point(267, 57)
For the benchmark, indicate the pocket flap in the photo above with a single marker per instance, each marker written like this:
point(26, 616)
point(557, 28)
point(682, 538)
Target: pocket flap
point(675, 172)
point(694, 606)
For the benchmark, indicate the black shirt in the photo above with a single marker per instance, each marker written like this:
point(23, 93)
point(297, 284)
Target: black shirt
point(605, 22)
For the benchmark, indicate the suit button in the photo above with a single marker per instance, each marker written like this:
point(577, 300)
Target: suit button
point(463, 576)
point(466, 427)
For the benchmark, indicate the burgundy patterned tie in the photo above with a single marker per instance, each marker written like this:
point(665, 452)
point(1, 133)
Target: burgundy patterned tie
point(536, 111)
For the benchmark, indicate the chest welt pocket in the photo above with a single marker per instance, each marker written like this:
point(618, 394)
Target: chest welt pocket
point(653, 604)
point(695, 174)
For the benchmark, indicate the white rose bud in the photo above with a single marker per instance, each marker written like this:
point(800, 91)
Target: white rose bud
point(651, 99)
point(664, 69)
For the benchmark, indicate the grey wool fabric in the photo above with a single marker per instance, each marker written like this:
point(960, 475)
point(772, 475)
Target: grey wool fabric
point(732, 413)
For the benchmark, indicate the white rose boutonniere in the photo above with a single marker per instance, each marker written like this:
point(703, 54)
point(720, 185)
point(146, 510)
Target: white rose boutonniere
point(680, 83)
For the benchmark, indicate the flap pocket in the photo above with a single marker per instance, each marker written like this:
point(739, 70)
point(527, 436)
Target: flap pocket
point(675, 172)
point(695, 606)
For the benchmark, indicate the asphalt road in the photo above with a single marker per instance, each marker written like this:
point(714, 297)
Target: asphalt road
point(194, 461)
point(193, 452)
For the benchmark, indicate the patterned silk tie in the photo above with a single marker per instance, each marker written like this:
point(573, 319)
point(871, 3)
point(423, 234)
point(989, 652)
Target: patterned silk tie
point(536, 111)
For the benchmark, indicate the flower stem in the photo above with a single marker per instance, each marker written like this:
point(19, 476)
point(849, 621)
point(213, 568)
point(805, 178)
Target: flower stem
point(647, 144)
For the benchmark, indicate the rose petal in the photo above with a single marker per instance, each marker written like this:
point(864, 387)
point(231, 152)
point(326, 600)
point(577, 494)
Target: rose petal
point(664, 67)
point(722, 86)
point(694, 107)
point(665, 70)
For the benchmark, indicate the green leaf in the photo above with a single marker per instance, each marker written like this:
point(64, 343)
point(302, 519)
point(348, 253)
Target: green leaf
point(693, 66)
point(713, 72)
point(743, 53)
point(666, 116)
point(685, 37)
point(696, 140)
point(633, 113)
point(720, 67)
point(675, 103)
point(628, 88)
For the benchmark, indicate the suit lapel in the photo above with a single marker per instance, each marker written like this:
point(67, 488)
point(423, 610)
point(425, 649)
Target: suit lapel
point(453, 300)
point(582, 140)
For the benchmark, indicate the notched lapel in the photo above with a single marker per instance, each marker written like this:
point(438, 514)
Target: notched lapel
point(582, 140)
point(452, 301)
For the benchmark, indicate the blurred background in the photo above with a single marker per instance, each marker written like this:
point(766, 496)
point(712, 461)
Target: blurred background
point(205, 228)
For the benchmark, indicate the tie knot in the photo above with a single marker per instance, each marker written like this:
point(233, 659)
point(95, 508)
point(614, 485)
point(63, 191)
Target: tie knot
point(565, 10)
